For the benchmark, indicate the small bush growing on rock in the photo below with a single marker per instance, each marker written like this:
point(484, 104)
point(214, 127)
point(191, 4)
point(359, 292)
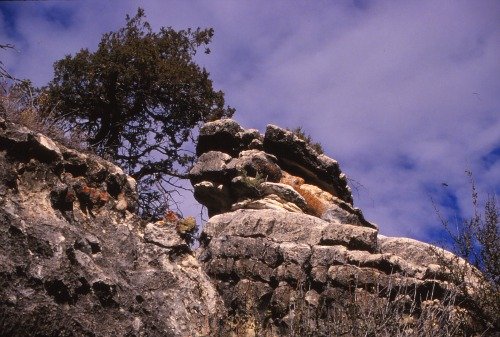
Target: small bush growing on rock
point(19, 104)
point(252, 182)
point(305, 137)
point(186, 226)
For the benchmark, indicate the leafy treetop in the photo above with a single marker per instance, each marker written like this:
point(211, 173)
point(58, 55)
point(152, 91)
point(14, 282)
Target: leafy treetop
point(138, 98)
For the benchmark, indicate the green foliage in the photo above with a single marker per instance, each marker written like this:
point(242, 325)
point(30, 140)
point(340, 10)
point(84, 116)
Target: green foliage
point(252, 182)
point(138, 98)
point(305, 137)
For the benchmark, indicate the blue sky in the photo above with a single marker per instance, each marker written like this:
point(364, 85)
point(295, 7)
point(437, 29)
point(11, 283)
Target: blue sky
point(404, 94)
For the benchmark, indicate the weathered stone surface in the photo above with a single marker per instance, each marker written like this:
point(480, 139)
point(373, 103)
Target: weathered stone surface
point(278, 226)
point(426, 259)
point(248, 164)
point(285, 192)
point(328, 255)
point(165, 236)
point(227, 136)
point(295, 253)
point(354, 237)
point(298, 158)
point(252, 269)
point(212, 165)
point(46, 146)
point(220, 135)
point(335, 213)
point(69, 269)
point(270, 201)
point(256, 163)
point(418, 252)
point(247, 248)
point(280, 301)
point(215, 197)
point(251, 294)
point(75, 261)
point(309, 264)
point(324, 205)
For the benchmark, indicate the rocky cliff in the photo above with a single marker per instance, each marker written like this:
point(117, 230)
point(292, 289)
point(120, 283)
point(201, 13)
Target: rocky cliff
point(290, 255)
point(75, 261)
point(284, 253)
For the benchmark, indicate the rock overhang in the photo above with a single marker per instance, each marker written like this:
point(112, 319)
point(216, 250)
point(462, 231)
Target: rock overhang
point(235, 167)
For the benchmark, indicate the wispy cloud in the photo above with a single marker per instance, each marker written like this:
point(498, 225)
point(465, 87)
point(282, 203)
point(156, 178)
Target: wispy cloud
point(403, 94)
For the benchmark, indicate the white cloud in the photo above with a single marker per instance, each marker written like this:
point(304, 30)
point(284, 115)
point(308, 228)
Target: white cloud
point(403, 94)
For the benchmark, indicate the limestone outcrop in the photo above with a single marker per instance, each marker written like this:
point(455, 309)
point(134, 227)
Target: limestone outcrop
point(242, 169)
point(284, 253)
point(290, 255)
point(75, 261)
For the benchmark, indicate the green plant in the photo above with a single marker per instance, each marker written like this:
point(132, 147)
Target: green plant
point(305, 137)
point(138, 98)
point(252, 182)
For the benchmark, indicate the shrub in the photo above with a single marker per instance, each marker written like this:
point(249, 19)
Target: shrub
point(305, 137)
point(19, 104)
point(138, 97)
point(477, 240)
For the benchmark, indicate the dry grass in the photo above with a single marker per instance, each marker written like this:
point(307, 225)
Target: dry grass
point(390, 311)
point(19, 104)
point(389, 307)
point(299, 133)
point(477, 240)
point(359, 313)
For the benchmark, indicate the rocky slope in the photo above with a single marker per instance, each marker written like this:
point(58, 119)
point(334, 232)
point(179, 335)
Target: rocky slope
point(74, 260)
point(290, 255)
point(284, 253)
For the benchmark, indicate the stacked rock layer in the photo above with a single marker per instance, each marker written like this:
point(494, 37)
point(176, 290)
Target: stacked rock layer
point(241, 169)
point(290, 255)
point(284, 253)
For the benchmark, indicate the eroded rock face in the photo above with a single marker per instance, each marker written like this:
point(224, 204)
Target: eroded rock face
point(236, 167)
point(74, 260)
point(282, 273)
point(284, 253)
point(290, 255)
point(300, 159)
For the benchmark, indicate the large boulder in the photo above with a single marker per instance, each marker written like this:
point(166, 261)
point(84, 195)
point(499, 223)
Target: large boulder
point(241, 169)
point(225, 135)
